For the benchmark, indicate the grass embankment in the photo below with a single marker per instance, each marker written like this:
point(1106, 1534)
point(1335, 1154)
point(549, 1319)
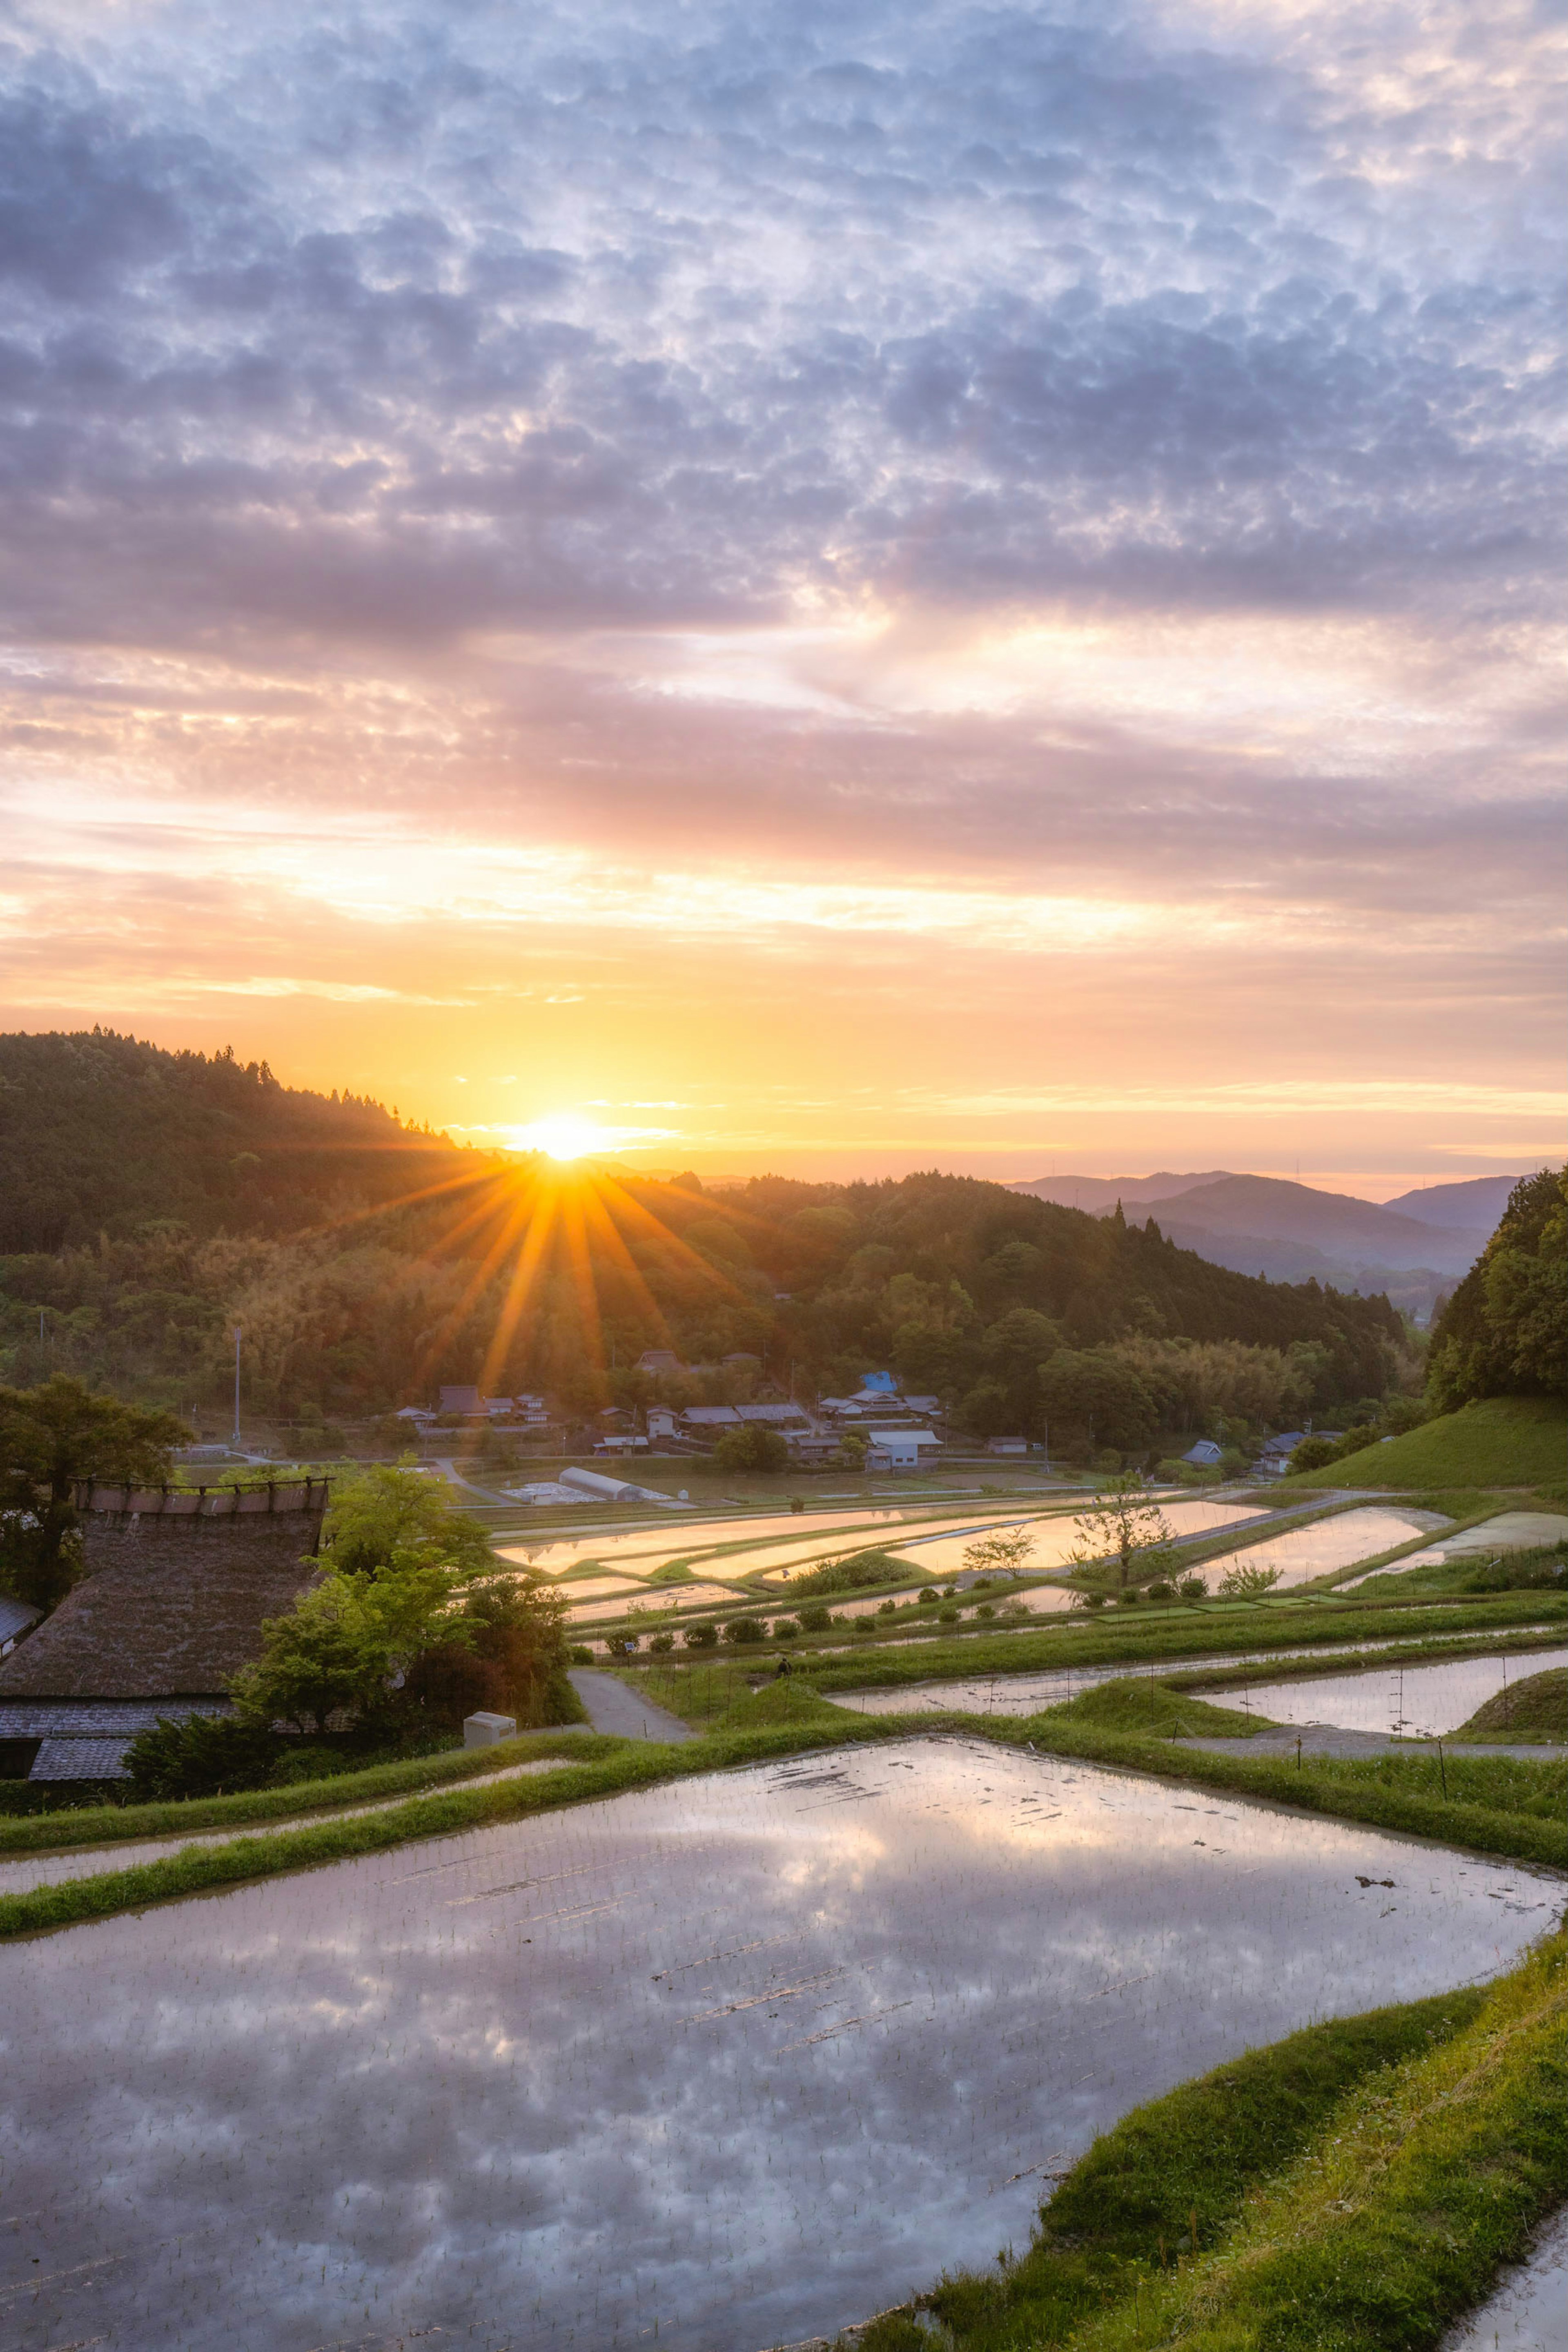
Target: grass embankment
point(1152, 1710)
point(95, 1825)
point(1354, 2186)
point(1534, 1708)
point(1372, 1660)
point(1497, 1784)
point(785, 1719)
point(1502, 1441)
point(1149, 1634)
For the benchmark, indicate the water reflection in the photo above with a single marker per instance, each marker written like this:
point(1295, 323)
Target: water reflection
point(1057, 1538)
point(1302, 1553)
point(640, 1550)
point(1026, 1694)
point(740, 2059)
point(1417, 1701)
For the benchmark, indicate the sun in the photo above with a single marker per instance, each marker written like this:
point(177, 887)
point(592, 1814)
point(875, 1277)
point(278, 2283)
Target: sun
point(563, 1135)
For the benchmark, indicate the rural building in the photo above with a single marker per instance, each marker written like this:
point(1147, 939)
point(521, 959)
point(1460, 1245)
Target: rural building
point(1204, 1456)
point(177, 1585)
point(900, 1449)
point(1007, 1445)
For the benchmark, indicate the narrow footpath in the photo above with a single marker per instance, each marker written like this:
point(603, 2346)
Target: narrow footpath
point(623, 1713)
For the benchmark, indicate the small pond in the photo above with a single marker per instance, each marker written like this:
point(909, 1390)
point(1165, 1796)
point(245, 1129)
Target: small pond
point(739, 2059)
point(1417, 1702)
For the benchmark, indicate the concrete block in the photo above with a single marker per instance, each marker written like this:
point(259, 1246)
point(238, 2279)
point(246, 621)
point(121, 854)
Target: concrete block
point(483, 1731)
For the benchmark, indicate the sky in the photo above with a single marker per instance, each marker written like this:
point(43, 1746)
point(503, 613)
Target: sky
point(832, 589)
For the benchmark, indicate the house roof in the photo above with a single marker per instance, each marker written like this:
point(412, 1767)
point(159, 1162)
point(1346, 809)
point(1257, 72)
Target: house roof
point(168, 1606)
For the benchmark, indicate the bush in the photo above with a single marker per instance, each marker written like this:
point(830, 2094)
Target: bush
point(887, 1608)
point(304, 1762)
point(702, 1637)
point(949, 1615)
point(1130, 1599)
point(816, 1618)
point(1193, 1588)
point(661, 1645)
point(742, 1633)
point(852, 1574)
point(1245, 1582)
point(620, 1645)
point(984, 1610)
point(579, 1655)
point(862, 1630)
point(786, 1630)
point(204, 1756)
point(1092, 1600)
point(925, 1600)
point(1159, 1590)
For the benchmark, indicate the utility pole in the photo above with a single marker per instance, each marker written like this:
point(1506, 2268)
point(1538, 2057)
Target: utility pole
point(236, 1440)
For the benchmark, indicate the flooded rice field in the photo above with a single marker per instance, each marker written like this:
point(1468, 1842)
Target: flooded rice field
point(1057, 1537)
point(659, 1600)
point(640, 1550)
point(1517, 2318)
point(736, 2060)
point(1302, 1553)
point(1027, 1693)
point(1417, 1702)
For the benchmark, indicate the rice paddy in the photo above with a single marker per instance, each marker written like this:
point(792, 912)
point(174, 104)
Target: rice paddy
point(1412, 1702)
point(737, 2059)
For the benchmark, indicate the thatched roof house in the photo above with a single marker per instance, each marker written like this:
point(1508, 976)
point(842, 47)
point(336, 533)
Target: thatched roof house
point(171, 1608)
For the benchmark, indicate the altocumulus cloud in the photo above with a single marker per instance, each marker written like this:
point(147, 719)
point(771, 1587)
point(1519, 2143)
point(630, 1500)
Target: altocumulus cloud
point(460, 378)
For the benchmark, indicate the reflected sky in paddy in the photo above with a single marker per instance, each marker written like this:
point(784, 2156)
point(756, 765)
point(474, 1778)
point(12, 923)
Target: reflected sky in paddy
point(1302, 1553)
point(1418, 1700)
point(1055, 1542)
point(744, 2057)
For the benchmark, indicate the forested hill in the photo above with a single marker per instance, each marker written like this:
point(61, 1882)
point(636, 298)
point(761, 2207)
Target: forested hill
point(101, 1134)
point(152, 1199)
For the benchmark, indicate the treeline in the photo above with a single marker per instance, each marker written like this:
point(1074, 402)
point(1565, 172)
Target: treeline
point(366, 1265)
point(1505, 1332)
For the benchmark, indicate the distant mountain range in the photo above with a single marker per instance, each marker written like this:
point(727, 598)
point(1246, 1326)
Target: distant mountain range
point(1413, 1247)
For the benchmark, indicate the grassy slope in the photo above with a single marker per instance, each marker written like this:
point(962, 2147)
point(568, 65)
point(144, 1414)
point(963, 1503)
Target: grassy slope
point(1355, 2189)
point(1148, 1707)
point(1189, 2158)
point(1504, 1442)
point(1535, 1707)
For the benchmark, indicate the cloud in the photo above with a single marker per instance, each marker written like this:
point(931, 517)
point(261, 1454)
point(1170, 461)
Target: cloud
point(1066, 482)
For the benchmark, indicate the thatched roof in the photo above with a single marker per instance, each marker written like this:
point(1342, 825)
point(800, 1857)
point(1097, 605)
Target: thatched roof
point(169, 1606)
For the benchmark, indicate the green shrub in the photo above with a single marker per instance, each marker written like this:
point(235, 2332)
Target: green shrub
point(947, 1614)
point(702, 1637)
point(202, 1756)
point(662, 1643)
point(742, 1633)
point(816, 1618)
point(579, 1655)
point(301, 1760)
point(926, 1599)
point(1193, 1588)
point(785, 1629)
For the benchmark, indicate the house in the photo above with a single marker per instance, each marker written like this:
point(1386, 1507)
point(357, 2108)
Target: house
point(178, 1584)
point(783, 1417)
point(1275, 1459)
point(1204, 1456)
point(419, 1414)
point(660, 1360)
point(621, 1441)
point(1007, 1445)
point(709, 1419)
point(900, 1449)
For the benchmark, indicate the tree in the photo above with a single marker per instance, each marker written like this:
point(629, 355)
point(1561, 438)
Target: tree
point(1121, 1524)
point(51, 1436)
point(399, 1559)
point(1505, 1332)
point(1092, 1390)
point(752, 1446)
point(1006, 1553)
